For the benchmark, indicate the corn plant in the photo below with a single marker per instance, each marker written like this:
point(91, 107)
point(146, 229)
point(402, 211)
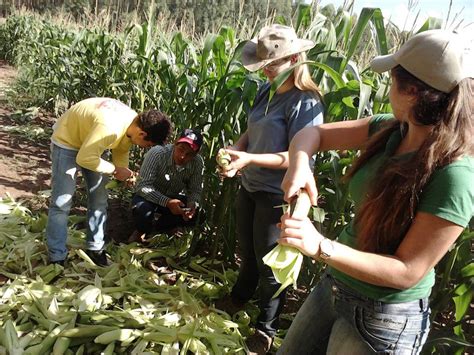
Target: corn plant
point(201, 83)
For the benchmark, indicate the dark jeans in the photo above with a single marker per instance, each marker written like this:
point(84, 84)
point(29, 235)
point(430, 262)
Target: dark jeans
point(257, 234)
point(143, 212)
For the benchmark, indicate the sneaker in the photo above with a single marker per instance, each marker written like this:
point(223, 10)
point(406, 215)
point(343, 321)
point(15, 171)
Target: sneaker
point(259, 343)
point(229, 305)
point(98, 257)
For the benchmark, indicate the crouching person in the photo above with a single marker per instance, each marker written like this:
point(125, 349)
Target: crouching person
point(169, 184)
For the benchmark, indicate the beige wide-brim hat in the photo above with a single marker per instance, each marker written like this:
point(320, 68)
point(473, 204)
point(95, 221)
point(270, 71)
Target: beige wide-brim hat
point(435, 57)
point(272, 43)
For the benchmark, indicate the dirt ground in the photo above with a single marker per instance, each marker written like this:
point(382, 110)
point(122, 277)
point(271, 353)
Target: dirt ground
point(24, 167)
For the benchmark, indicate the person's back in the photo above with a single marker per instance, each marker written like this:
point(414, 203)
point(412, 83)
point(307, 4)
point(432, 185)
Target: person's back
point(97, 113)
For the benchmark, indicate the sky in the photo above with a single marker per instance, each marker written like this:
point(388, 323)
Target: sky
point(400, 14)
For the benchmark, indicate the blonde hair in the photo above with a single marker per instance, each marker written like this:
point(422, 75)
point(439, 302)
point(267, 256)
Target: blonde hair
point(303, 79)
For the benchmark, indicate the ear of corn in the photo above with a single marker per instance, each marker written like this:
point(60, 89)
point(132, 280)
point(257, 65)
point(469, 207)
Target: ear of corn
point(116, 335)
point(109, 350)
point(33, 350)
point(119, 309)
point(80, 350)
point(50, 339)
point(61, 345)
point(286, 261)
point(10, 338)
point(223, 158)
point(86, 331)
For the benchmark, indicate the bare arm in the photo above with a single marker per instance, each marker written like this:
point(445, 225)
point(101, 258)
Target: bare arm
point(426, 242)
point(328, 136)
point(240, 158)
point(268, 160)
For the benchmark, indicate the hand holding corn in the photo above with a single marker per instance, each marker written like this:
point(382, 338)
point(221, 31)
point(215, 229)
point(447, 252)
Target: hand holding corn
point(129, 182)
point(132, 180)
point(300, 234)
point(299, 176)
point(231, 161)
point(122, 173)
point(285, 260)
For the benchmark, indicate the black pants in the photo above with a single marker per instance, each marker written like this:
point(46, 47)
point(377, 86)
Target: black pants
point(143, 212)
point(257, 217)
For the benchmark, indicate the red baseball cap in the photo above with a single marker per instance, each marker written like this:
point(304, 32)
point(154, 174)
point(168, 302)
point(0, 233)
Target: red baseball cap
point(191, 136)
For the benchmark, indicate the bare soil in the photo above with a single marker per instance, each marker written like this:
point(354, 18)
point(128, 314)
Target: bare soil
point(24, 167)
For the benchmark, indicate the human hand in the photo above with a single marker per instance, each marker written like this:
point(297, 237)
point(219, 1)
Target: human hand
point(299, 178)
point(227, 173)
point(189, 211)
point(132, 180)
point(122, 174)
point(175, 206)
point(300, 234)
point(237, 160)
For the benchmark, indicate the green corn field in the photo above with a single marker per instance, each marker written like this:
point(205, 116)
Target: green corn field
point(148, 61)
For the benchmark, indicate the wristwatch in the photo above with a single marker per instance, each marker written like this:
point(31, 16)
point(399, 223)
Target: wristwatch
point(326, 248)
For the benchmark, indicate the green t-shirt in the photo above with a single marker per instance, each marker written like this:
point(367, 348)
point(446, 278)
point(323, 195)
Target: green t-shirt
point(449, 194)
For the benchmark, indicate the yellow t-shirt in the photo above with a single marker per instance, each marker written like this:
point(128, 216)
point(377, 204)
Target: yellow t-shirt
point(92, 126)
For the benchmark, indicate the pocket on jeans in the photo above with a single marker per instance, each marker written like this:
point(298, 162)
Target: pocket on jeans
point(381, 331)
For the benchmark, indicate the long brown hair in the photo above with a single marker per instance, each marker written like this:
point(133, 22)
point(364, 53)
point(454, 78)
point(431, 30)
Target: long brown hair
point(389, 208)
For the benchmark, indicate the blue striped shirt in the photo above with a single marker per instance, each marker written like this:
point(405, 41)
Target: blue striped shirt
point(160, 178)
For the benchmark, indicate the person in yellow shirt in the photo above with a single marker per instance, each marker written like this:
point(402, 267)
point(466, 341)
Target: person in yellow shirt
point(81, 137)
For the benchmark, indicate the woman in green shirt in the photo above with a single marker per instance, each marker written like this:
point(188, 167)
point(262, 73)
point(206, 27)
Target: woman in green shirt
point(413, 193)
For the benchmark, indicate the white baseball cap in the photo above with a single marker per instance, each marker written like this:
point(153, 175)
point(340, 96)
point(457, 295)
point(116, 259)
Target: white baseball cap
point(435, 57)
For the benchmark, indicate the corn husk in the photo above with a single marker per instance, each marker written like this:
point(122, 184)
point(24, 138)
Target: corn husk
point(122, 308)
point(286, 261)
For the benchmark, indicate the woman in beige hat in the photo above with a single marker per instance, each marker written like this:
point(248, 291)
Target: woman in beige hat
point(413, 193)
point(261, 156)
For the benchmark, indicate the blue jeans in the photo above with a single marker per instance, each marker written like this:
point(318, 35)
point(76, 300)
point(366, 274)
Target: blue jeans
point(63, 185)
point(337, 320)
point(257, 233)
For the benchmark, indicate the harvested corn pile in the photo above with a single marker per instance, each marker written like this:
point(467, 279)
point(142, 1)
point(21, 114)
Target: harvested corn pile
point(124, 308)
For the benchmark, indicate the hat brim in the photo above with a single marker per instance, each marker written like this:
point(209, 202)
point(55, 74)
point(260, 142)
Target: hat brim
point(383, 63)
point(193, 144)
point(253, 63)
